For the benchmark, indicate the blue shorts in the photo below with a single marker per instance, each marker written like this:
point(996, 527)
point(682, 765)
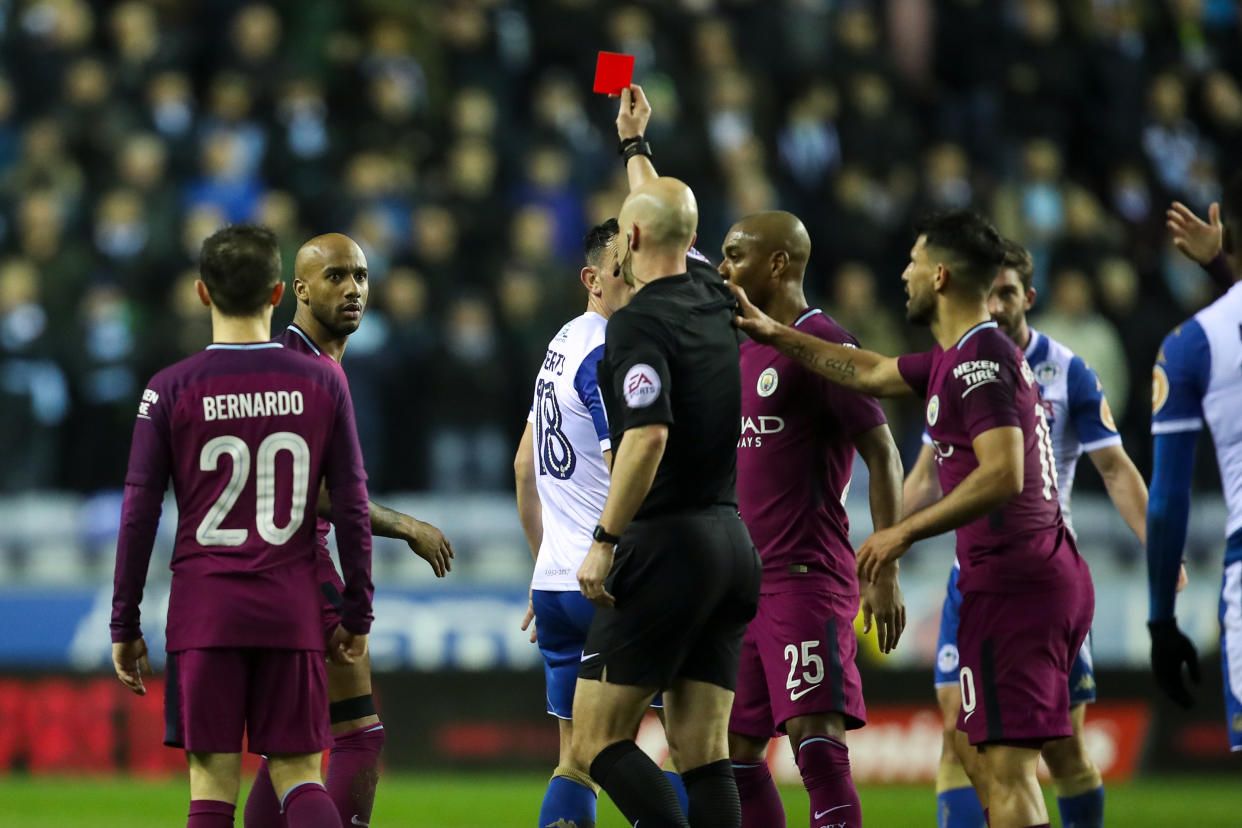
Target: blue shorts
point(1082, 675)
point(561, 623)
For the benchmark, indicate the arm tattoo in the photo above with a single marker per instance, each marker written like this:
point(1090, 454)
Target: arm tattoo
point(834, 369)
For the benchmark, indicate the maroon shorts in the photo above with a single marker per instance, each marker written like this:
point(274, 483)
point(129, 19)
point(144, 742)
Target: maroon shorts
point(1016, 653)
point(279, 698)
point(331, 585)
point(798, 659)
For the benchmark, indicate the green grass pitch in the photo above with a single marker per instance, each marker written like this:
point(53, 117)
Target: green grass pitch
point(444, 800)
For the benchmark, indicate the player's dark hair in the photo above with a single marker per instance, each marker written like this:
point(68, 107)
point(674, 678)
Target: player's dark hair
point(1231, 214)
point(975, 248)
point(240, 264)
point(1018, 259)
point(597, 239)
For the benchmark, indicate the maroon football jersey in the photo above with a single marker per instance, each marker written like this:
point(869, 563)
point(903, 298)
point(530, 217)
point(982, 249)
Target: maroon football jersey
point(245, 433)
point(983, 382)
point(296, 339)
point(794, 460)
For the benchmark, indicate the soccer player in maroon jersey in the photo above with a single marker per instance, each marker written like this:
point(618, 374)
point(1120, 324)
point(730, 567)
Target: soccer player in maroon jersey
point(1027, 597)
point(794, 460)
point(331, 283)
point(246, 430)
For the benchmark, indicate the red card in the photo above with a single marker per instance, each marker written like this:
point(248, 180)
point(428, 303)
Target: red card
point(613, 72)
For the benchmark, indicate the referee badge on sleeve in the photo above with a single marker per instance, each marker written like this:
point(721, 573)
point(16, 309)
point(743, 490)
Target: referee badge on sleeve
point(642, 386)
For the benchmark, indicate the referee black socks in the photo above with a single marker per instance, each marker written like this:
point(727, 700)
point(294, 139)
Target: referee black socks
point(638, 787)
point(713, 796)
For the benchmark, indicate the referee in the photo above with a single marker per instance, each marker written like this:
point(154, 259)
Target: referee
point(672, 568)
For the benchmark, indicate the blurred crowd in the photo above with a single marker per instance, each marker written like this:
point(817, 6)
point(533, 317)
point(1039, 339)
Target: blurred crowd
point(459, 143)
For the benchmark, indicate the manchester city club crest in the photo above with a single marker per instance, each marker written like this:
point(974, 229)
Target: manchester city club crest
point(767, 382)
point(933, 410)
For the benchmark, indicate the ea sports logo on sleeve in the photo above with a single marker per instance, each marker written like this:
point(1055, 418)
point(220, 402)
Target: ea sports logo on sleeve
point(933, 410)
point(767, 382)
point(642, 386)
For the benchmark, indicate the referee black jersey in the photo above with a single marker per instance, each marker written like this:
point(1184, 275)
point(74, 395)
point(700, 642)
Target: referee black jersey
point(671, 357)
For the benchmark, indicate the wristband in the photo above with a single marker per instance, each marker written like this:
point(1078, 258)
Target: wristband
point(601, 534)
point(629, 147)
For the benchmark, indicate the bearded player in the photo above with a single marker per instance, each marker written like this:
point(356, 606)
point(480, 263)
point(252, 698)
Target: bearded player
point(1027, 599)
point(331, 283)
point(1080, 423)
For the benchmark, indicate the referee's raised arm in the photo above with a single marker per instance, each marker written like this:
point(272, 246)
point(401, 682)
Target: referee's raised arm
point(632, 119)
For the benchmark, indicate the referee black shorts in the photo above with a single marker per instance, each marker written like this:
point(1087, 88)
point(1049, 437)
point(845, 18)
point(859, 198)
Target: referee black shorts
point(685, 585)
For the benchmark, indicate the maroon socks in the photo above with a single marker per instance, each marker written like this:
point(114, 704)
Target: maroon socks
point(353, 771)
point(309, 806)
point(825, 766)
point(210, 813)
point(262, 806)
point(761, 802)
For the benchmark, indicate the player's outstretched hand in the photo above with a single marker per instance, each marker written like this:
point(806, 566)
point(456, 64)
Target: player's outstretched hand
point(345, 647)
point(594, 570)
point(634, 113)
point(429, 543)
point(528, 620)
point(882, 601)
point(1170, 649)
point(1197, 239)
point(129, 659)
point(880, 550)
point(757, 324)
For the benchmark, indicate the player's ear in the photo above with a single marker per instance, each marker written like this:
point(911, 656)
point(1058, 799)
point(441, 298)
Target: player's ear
point(300, 290)
point(278, 293)
point(1030, 298)
point(634, 234)
point(590, 281)
point(780, 261)
point(203, 295)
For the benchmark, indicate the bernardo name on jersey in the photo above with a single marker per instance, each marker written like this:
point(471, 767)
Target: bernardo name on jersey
point(254, 404)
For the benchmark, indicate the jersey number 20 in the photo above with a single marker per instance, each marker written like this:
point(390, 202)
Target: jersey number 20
point(209, 531)
point(556, 454)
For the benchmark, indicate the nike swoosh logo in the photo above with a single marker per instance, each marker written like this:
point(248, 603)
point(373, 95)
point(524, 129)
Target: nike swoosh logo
point(980, 385)
point(821, 814)
point(586, 657)
point(353, 820)
point(794, 695)
point(968, 715)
